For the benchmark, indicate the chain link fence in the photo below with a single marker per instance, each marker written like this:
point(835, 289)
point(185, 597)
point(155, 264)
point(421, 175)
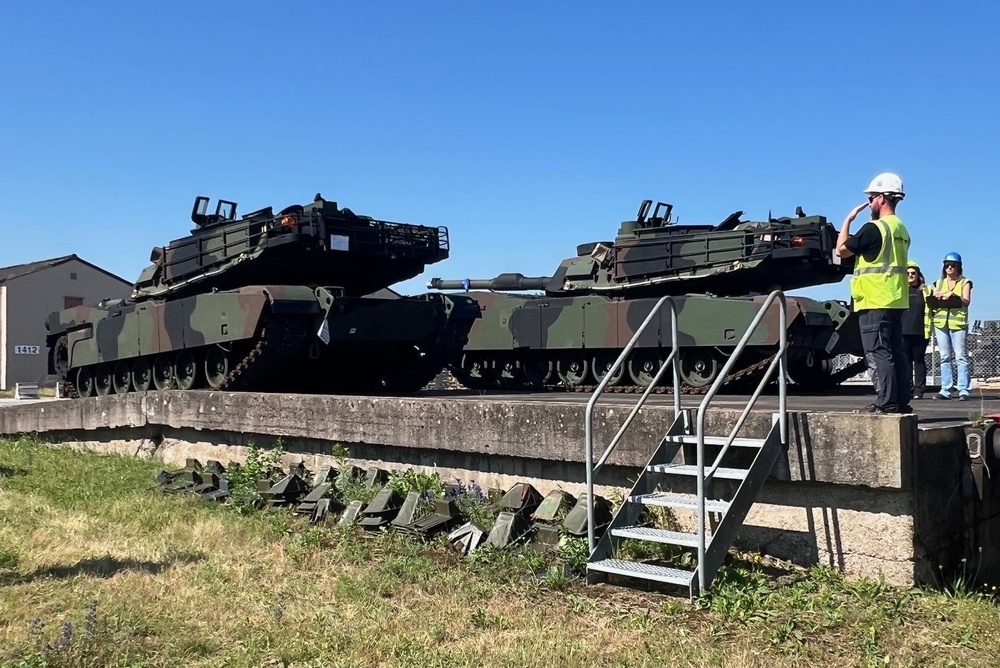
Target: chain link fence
point(983, 347)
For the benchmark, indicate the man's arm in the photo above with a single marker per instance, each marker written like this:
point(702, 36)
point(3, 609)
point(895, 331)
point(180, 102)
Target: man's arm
point(845, 230)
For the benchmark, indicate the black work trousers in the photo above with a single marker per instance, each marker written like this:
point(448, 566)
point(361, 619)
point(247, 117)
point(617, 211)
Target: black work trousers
point(882, 340)
point(915, 349)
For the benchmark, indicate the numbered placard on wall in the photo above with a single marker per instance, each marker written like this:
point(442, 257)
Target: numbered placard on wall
point(27, 350)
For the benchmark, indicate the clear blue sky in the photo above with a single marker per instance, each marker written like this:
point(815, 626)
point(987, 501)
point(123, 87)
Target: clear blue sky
point(526, 128)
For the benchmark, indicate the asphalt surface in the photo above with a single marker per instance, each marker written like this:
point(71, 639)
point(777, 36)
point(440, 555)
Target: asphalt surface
point(846, 399)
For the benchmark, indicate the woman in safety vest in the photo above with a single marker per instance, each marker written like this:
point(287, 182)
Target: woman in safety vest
point(949, 304)
point(917, 328)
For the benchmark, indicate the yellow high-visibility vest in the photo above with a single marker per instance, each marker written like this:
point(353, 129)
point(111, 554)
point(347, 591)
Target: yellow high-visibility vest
point(928, 322)
point(882, 282)
point(951, 318)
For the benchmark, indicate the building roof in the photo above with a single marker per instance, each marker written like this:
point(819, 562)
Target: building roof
point(18, 270)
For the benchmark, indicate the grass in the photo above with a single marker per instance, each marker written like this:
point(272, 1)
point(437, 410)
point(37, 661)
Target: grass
point(97, 568)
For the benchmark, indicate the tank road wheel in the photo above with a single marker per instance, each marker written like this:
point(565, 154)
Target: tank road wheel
point(121, 377)
point(102, 380)
point(573, 368)
point(698, 367)
point(185, 370)
point(510, 373)
point(60, 358)
point(85, 381)
point(537, 371)
point(602, 364)
point(811, 373)
point(642, 368)
point(142, 375)
point(216, 367)
point(475, 373)
point(163, 373)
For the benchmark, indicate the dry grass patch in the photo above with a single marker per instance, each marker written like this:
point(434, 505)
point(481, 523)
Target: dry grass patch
point(98, 568)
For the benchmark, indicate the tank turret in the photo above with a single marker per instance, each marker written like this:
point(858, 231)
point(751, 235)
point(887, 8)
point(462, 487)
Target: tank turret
point(653, 256)
point(315, 244)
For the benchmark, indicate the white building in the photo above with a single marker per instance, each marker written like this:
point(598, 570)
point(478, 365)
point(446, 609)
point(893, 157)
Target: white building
point(29, 293)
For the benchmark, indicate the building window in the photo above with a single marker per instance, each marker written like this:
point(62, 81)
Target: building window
point(70, 302)
point(72, 275)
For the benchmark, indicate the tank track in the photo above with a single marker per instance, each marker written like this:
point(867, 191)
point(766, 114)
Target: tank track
point(279, 339)
point(684, 388)
point(617, 389)
point(447, 348)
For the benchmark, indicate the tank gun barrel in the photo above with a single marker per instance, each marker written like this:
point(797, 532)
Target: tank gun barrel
point(506, 282)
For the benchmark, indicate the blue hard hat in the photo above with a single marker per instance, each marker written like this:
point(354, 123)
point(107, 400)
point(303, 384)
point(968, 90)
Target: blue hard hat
point(953, 257)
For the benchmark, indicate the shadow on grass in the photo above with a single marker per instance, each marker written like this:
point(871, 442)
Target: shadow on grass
point(99, 567)
point(11, 471)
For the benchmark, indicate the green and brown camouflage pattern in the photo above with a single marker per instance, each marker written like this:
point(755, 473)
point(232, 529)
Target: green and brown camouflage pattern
point(530, 342)
point(315, 244)
point(190, 323)
point(651, 256)
point(719, 275)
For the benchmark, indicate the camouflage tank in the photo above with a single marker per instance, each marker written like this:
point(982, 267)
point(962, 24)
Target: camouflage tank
point(569, 334)
point(269, 302)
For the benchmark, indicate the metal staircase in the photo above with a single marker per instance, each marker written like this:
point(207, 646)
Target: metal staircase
point(715, 478)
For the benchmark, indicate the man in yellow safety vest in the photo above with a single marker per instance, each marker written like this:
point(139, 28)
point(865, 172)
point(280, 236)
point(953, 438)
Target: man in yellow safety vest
point(879, 290)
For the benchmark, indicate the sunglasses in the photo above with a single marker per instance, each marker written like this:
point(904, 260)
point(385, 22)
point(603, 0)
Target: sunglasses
point(953, 265)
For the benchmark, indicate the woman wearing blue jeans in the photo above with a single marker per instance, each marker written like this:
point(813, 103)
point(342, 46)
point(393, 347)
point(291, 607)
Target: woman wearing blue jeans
point(949, 303)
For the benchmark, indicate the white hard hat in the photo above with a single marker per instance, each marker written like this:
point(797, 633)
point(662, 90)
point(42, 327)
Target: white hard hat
point(886, 183)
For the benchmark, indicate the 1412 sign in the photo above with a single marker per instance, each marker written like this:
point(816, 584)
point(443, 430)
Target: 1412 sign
point(26, 350)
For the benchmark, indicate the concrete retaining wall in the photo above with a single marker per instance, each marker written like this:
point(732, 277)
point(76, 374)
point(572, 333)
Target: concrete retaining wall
point(867, 494)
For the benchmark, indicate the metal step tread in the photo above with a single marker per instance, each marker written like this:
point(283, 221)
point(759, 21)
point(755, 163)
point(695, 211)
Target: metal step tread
point(689, 501)
point(636, 569)
point(690, 469)
point(660, 536)
point(738, 442)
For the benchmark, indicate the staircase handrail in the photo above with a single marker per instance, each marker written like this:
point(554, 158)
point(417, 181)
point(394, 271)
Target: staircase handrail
point(780, 361)
point(671, 360)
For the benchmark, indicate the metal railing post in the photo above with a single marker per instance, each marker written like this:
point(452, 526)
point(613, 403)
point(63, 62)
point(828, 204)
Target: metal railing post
point(589, 416)
point(780, 359)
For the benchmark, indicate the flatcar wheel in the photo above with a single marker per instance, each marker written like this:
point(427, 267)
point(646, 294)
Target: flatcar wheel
point(699, 367)
point(602, 364)
point(643, 367)
point(185, 370)
point(121, 377)
point(573, 369)
point(142, 375)
point(216, 367)
point(85, 381)
point(163, 373)
point(102, 380)
point(537, 372)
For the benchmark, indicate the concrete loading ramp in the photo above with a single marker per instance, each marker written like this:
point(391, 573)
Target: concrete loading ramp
point(870, 495)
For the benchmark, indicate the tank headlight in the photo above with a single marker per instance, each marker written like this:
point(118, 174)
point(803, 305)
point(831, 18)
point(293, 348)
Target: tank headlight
point(798, 241)
point(288, 222)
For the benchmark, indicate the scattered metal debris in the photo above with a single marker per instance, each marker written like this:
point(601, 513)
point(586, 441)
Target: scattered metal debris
point(524, 516)
point(468, 537)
